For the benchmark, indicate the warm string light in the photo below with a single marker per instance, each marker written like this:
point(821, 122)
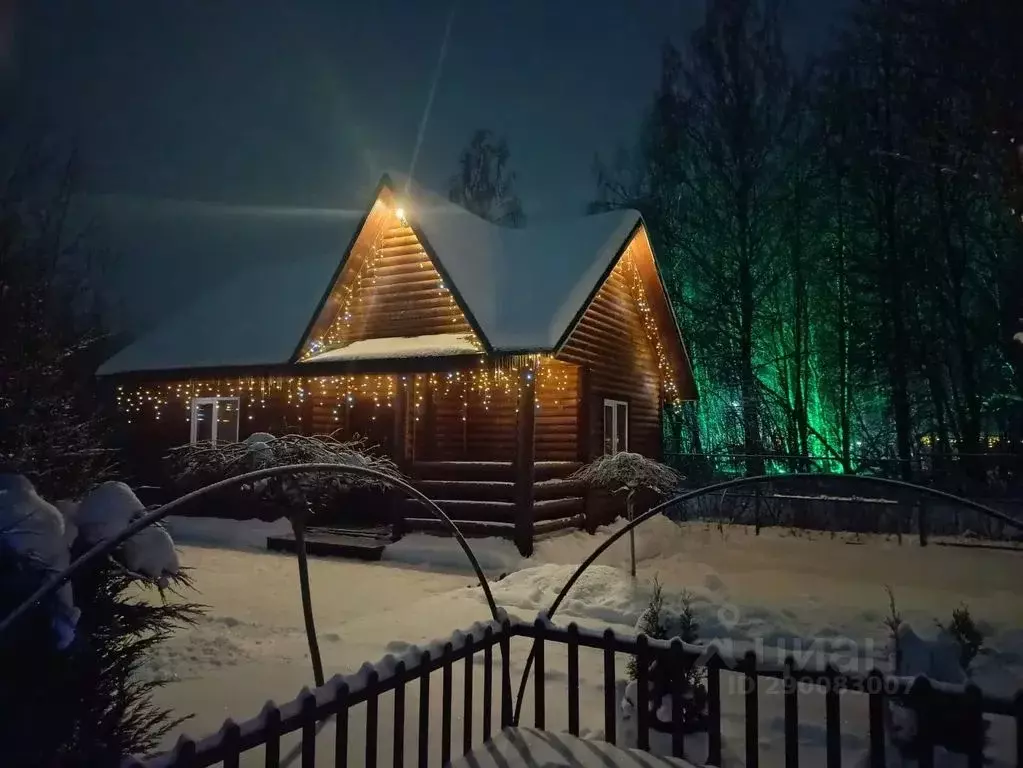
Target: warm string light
point(638, 290)
point(480, 387)
point(351, 295)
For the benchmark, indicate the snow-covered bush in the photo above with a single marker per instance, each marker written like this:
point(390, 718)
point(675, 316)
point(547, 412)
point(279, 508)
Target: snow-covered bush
point(295, 496)
point(628, 472)
point(197, 465)
point(70, 689)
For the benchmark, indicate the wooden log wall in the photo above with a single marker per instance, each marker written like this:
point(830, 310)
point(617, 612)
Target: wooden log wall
point(450, 437)
point(611, 342)
point(467, 425)
point(164, 420)
point(471, 425)
point(391, 291)
point(557, 418)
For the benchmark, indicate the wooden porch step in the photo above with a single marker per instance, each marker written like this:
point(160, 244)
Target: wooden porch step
point(486, 528)
point(489, 470)
point(501, 511)
point(463, 470)
point(478, 490)
point(552, 509)
point(556, 489)
point(468, 509)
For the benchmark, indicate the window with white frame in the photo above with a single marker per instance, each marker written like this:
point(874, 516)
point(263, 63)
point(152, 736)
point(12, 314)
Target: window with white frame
point(616, 426)
point(215, 419)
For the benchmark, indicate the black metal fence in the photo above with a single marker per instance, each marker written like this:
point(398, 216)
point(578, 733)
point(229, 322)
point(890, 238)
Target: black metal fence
point(933, 703)
point(988, 475)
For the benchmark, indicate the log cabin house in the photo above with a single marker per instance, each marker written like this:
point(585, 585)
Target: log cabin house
point(488, 362)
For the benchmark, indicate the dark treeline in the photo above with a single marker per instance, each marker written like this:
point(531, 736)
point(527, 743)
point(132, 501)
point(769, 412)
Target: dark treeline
point(842, 237)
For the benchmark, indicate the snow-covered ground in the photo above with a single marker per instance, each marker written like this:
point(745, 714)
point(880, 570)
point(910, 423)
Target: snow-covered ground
point(806, 592)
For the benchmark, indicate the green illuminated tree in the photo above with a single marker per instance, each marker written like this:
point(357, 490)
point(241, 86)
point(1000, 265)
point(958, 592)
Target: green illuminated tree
point(843, 248)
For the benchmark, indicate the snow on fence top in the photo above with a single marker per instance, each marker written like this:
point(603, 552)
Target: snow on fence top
point(251, 730)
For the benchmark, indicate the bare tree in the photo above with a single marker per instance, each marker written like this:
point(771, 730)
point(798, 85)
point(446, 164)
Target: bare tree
point(51, 429)
point(484, 185)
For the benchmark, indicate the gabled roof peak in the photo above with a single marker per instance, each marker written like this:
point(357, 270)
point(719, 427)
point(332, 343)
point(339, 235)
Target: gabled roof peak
point(523, 288)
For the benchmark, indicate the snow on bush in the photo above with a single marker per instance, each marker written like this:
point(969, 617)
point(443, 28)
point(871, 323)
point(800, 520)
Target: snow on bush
point(628, 471)
point(200, 464)
point(109, 509)
point(33, 527)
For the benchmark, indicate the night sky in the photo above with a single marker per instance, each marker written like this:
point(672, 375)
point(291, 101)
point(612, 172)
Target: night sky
point(304, 104)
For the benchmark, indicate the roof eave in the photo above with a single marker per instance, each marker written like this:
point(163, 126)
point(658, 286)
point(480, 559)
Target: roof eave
point(577, 318)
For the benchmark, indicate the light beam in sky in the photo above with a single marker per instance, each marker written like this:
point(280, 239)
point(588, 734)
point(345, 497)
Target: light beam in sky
point(433, 90)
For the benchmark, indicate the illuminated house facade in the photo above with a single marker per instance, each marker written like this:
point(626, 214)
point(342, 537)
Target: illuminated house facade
point(488, 362)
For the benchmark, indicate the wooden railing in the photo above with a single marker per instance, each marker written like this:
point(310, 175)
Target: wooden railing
point(338, 697)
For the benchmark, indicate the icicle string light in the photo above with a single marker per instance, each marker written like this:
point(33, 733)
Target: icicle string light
point(477, 387)
point(667, 371)
point(353, 295)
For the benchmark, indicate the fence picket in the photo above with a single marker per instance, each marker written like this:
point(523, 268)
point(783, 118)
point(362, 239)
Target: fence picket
point(791, 715)
point(488, 681)
point(231, 740)
point(506, 691)
point(539, 675)
point(1018, 714)
point(308, 704)
point(467, 698)
point(184, 753)
point(610, 687)
point(920, 698)
point(714, 708)
point(875, 690)
point(272, 747)
point(399, 715)
point(341, 726)
point(975, 726)
point(372, 717)
point(445, 728)
point(678, 670)
point(752, 710)
point(642, 693)
point(573, 679)
point(424, 710)
point(832, 720)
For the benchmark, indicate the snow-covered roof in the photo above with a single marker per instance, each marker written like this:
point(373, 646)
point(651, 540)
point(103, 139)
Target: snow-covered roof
point(522, 287)
point(431, 345)
point(259, 314)
point(525, 286)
